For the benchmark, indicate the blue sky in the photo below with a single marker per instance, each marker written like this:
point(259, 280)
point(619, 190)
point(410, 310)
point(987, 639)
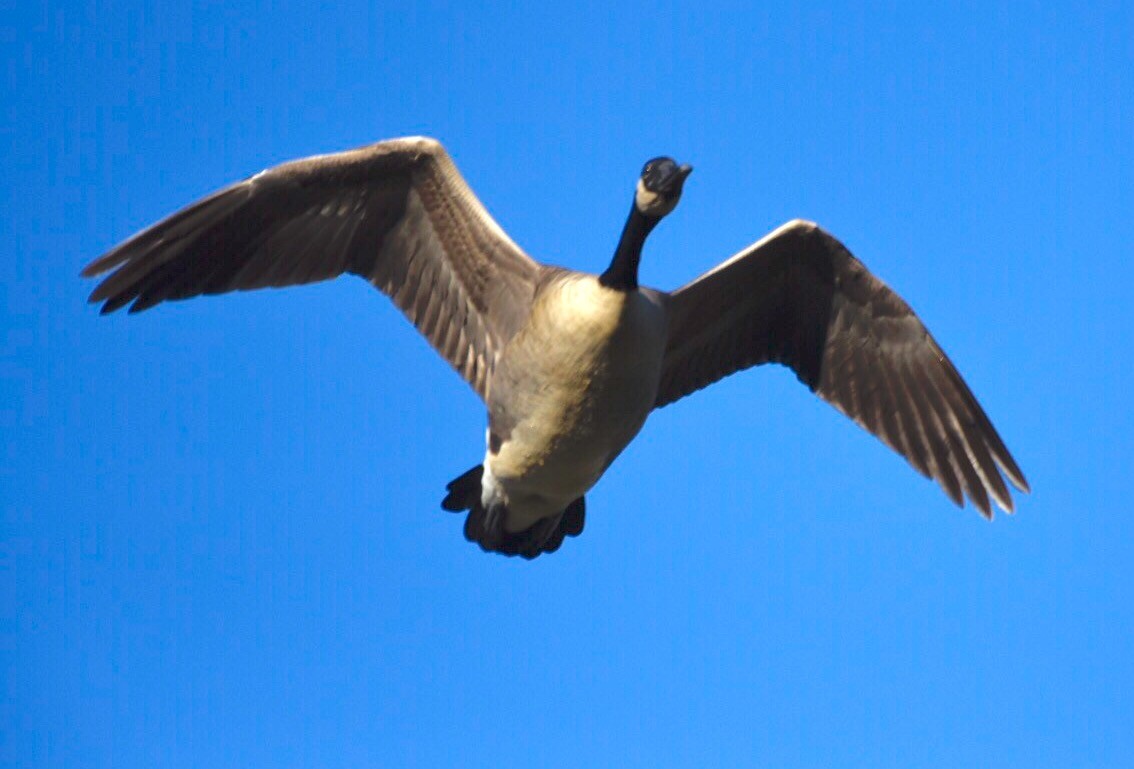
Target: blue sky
point(220, 542)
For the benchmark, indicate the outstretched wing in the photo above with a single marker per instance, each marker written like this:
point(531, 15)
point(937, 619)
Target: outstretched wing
point(799, 298)
point(396, 213)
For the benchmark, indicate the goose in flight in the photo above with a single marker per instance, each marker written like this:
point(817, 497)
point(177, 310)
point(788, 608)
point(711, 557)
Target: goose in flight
point(570, 364)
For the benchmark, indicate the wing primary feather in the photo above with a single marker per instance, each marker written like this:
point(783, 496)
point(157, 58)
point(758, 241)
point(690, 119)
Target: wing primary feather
point(288, 244)
point(906, 445)
point(870, 413)
point(995, 443)
point(959, 454)
point(974, 439)
point(168, 230)
point(131, 272)
point(936, 450)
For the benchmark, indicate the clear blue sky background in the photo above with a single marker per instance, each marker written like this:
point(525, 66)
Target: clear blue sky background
point(220, 542)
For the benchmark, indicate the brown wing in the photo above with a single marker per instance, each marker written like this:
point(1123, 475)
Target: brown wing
point(396, 213)
point(799, 298)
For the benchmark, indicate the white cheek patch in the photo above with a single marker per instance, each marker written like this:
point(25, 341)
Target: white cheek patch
point(644, 199)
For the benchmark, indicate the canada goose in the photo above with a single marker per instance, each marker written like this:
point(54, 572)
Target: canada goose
point(570, 364)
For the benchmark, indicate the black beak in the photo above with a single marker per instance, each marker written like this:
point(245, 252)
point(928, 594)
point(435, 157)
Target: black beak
point(678, 178)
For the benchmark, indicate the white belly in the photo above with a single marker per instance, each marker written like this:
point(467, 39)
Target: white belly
point(580, 381)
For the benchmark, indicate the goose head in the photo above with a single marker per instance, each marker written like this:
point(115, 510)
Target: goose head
point(659, 187)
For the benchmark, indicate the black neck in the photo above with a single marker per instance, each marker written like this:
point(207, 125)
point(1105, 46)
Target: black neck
point(622, 274)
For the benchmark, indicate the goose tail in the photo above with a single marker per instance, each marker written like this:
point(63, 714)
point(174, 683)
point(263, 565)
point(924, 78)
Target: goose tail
point(485, 525)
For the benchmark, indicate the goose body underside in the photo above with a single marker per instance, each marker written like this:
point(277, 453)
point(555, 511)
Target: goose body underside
point(569, 392)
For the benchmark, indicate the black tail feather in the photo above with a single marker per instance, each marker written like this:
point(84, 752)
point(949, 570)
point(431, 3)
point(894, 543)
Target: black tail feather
point(574, 517)
point(464, 492)
point(485, 526)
